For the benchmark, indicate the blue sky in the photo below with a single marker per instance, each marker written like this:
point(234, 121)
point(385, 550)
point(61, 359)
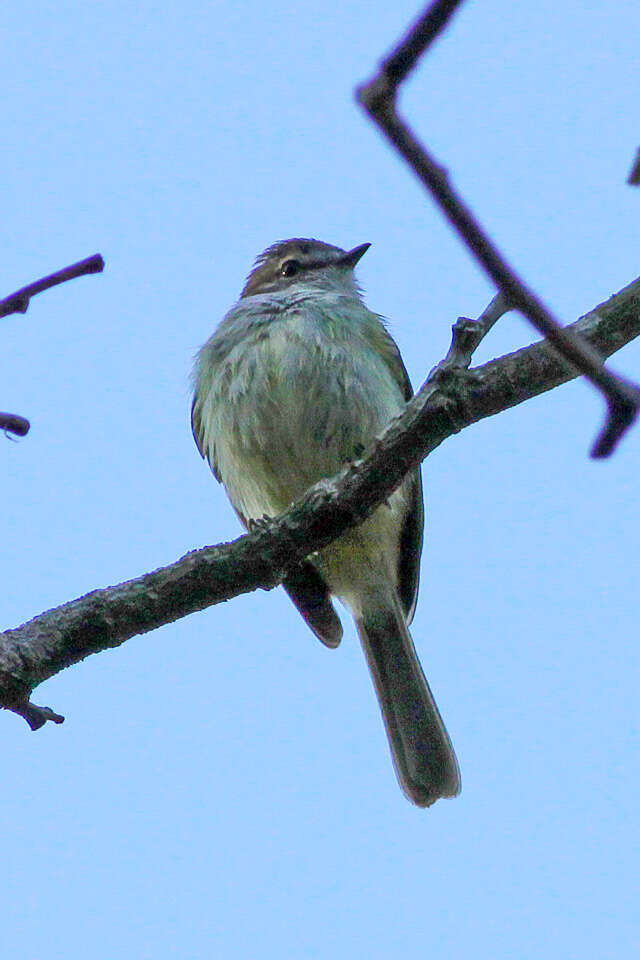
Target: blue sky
point(221, 787)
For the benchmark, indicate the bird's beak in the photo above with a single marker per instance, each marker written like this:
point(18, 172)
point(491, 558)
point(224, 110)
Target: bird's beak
point(352, 256)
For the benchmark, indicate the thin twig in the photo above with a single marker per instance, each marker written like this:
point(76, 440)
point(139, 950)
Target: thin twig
point(418, 38)
point(443, 406)
point(12, 423)
point(18, 302)
point(634, 176)
point(467, 335)
point(378, 98)
point(37, 716)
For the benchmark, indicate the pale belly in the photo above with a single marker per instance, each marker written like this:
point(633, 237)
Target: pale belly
point(271, 452)
point(288, 418)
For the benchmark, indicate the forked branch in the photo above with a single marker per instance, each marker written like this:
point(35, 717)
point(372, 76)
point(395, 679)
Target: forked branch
point(378, 98)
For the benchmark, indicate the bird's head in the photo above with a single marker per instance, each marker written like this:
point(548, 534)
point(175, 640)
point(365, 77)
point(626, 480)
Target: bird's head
point(304, 263)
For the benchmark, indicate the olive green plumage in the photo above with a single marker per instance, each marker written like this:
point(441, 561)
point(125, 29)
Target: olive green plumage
point(297, 380)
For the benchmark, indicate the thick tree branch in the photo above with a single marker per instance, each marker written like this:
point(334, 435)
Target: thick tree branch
point(451, 399)
point(378, 97)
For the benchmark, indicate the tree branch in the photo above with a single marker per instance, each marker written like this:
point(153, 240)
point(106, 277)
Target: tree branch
point(12, 423)
point(634, 175)
point(469, 334)
point(451, 399)
point(378, 97)
point(19, 301)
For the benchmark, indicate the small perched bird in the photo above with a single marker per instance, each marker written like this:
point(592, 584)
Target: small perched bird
point(298, 379)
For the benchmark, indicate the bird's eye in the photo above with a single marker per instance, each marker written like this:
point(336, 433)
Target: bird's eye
point(289, 268)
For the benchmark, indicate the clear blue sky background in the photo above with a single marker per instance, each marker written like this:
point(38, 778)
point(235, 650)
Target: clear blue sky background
point(222, 787)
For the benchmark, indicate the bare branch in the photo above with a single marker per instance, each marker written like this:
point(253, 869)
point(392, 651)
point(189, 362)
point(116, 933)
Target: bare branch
point(419, 37)
point(467, 335)
point(36, 716)
point(12, 423)
point(18, 302)
point(378, 97)
point(451, 399)
point(634, 176)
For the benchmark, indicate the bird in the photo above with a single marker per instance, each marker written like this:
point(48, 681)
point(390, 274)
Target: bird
point(298, 380)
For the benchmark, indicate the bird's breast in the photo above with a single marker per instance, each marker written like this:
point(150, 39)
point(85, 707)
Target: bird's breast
point(292, 403)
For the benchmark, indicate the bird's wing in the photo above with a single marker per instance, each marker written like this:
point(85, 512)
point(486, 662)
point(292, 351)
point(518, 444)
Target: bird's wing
point(311, 596)
point(413, 527)
point(197, 430)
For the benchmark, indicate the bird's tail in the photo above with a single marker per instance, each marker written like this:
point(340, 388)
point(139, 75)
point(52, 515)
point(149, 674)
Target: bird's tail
point(423, 756)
